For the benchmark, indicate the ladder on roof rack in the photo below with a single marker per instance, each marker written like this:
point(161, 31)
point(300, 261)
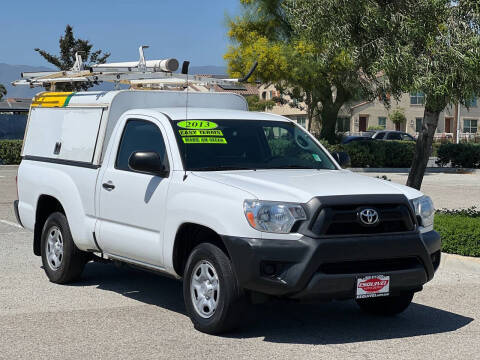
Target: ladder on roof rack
point(142, 72)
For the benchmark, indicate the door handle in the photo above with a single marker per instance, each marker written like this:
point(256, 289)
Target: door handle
point(108, 186)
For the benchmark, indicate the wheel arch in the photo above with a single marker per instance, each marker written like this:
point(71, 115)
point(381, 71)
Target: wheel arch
point(188, 236)
point(46, 205)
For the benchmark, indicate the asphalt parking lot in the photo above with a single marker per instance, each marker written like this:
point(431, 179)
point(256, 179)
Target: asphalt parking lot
point(448, 191)
point(122, 313)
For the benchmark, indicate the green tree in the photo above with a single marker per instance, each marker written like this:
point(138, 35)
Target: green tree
point(255, 104)
point(447, 71)
point(401, 46)
point(397, 116)
point(3, 91)
point(311, 74)
point(69, 46)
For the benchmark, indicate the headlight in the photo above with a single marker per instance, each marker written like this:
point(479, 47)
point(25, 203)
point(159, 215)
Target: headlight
point(272, 216)
point(424, 208)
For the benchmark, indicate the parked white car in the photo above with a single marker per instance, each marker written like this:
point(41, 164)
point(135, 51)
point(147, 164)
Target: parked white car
point(238, 204)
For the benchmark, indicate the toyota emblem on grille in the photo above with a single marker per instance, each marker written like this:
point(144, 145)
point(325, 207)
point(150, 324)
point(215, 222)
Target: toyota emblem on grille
point(369, 216)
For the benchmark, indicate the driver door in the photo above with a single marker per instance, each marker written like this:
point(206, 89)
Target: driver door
point(131, 204)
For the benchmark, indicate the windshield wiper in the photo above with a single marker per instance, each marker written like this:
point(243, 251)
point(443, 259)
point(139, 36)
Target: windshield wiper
point(220, 168)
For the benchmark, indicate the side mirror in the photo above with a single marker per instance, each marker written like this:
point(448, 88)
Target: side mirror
point(148, 162)
point(342, 158)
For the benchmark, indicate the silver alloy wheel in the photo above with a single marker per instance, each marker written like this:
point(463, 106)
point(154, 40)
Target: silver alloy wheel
point(54, 248)
point(205, 289)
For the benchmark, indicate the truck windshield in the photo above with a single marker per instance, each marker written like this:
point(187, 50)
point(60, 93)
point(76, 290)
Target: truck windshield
point(213, 145)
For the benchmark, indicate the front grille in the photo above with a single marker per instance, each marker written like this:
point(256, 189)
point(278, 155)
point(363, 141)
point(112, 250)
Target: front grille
point(369, 266)
point(344, 220)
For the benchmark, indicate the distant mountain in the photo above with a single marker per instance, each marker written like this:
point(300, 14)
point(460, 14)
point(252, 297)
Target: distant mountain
point(208, 69)
point(9, 73)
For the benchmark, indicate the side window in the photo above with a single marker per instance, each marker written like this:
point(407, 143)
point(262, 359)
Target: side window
point(394, 136)
point(406, 136)
point(380, 136)
point(139, 135)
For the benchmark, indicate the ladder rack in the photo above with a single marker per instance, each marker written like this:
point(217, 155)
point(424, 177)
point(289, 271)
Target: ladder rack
point(140, 72)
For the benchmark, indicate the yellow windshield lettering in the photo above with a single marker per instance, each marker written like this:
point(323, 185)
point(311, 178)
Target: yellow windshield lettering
point(200, 132)
point(197, 124)
point(204, 140)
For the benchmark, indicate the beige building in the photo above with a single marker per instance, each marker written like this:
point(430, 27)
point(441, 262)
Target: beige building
point(359, 117)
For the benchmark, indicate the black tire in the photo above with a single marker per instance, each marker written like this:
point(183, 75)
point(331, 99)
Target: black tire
point(231, 303)
point(72, 261)
point(386, 306)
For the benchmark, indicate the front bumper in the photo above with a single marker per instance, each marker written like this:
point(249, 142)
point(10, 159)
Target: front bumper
point(328, 267)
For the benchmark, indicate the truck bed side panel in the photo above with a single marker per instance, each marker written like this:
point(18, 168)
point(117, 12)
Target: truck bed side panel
point(72, 186)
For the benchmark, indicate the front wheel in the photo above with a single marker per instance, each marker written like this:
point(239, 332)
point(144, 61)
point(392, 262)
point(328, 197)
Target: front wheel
point(62, 261)
point(213, 298)
point(386, 306)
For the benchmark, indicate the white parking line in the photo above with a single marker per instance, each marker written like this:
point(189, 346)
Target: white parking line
point(10, 223)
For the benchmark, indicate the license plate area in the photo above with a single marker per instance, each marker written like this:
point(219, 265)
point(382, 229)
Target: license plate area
point(372, 286)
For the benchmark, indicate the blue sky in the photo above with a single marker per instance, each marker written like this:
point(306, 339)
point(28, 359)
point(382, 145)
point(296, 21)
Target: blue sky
point(192, 30)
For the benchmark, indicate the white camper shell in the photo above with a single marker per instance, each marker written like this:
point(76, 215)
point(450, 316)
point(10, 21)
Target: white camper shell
point(77, 126)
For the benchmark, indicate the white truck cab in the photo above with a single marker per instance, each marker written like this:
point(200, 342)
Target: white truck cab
point(237, 204)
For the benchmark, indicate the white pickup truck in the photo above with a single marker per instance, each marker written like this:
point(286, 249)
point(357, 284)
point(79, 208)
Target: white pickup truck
point(240, 205)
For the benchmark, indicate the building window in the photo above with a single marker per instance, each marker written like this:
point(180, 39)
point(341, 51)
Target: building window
point(343, 124)
point(472, 102)
point(470, 126)
point(418, 124)
point(302, 120)
point(271, 95)
point(264, 95)
point(382, 122)
point(417, 98)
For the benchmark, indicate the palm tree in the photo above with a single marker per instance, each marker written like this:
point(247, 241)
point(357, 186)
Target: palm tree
point(3, 91)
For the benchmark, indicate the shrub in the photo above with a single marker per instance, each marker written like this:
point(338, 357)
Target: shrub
point(397, 154)
point(460, 231)
point(465, 155)
point(10, 152)
point(435, 146)
point(365, 154)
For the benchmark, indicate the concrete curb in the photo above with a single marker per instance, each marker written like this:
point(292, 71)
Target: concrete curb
point(465, 263)
point(407, 170)
point(6, 167)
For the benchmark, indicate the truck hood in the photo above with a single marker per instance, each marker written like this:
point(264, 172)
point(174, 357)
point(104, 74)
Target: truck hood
point(299, 185)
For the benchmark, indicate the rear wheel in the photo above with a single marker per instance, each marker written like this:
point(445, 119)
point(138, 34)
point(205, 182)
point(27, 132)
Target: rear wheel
point(386, 306)
point(213, 298)
point(62, 261)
